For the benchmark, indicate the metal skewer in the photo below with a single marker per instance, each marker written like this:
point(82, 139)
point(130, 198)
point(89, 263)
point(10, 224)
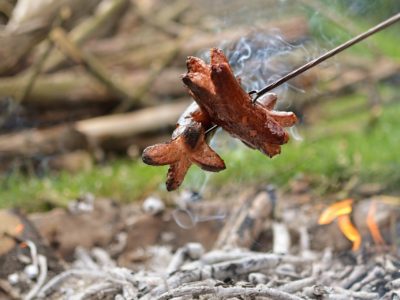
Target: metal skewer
point(320, 59)
point(325, 56)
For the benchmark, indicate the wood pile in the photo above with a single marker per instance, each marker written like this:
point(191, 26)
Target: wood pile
point(89, 79)
point(78, 81)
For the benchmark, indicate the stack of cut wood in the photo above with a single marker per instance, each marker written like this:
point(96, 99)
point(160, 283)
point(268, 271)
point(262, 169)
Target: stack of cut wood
point(79, 80)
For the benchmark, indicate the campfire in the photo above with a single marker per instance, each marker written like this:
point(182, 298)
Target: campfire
point(249, 249)
point(87, 85)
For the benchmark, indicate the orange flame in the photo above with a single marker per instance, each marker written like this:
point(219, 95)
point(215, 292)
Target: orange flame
point(350, 231)
point(373, 226)
point(340, 208)
point(341, 211)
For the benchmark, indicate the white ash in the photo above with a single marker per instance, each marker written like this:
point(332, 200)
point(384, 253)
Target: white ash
point(223, 274)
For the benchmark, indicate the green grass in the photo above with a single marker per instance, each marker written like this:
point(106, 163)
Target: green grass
point(338, 146)
point(332, 34)
point(124, 179)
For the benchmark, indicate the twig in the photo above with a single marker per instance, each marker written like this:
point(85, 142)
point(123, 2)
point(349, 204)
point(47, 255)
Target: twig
point(218, 256)
point(56, 281)
point(133, 123)
point(395, 284)
point(86, 29)
point(246, 221)
point(281, 235)
point(141, 91)
point(228, 292)
point(229, 269)
point(6, 287)
point(354, 294)
point(85, 261)
point(38, 65)
point(191, 250)
point(166, 24)
point(297, 285)
point(94, 67)
point(375, 273)
point(98, 290)
point(357, 274)
point(35, 71)
point(42, 260)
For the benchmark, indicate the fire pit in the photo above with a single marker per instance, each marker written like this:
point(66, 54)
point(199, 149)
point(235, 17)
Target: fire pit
point(90, 91)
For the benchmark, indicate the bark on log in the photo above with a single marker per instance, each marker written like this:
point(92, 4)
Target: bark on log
point(40, 142)
point(86, 29)
point(74, 88)
point(65, 138)
point(130, 124)
point(28, 28)
point(291, 30)
point(246, 221)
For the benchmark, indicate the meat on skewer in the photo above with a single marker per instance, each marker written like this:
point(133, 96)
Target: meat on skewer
point(219, 100)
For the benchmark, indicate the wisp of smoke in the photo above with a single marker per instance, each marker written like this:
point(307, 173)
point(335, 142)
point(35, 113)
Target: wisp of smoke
point(261, 58)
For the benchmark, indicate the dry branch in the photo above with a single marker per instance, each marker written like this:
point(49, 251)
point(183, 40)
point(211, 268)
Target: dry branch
point(29, 25)
point(92, 65)
point(75, 87)
point(60, 139)
point(229, 292)
point(38, 142)
point(130, 124)
point(104, 13)
point(291, 30)
point(228, 269)
point(161, 64)
point(246, 221)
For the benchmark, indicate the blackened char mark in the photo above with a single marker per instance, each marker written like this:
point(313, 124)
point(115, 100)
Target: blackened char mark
point(192, 134)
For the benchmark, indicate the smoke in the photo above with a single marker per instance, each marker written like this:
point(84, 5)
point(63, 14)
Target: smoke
point(261, 58)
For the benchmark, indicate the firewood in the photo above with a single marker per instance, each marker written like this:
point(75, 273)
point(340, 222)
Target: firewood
point(64, 138)
point(29, 25)
point(228, 292)
point(246, 221)
point(157, 67)
point(291, 30)
point(130, 124)
point(91, 64)
point(228, 269)
point(74, 87)
point(103, 15)
point(33, 142)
